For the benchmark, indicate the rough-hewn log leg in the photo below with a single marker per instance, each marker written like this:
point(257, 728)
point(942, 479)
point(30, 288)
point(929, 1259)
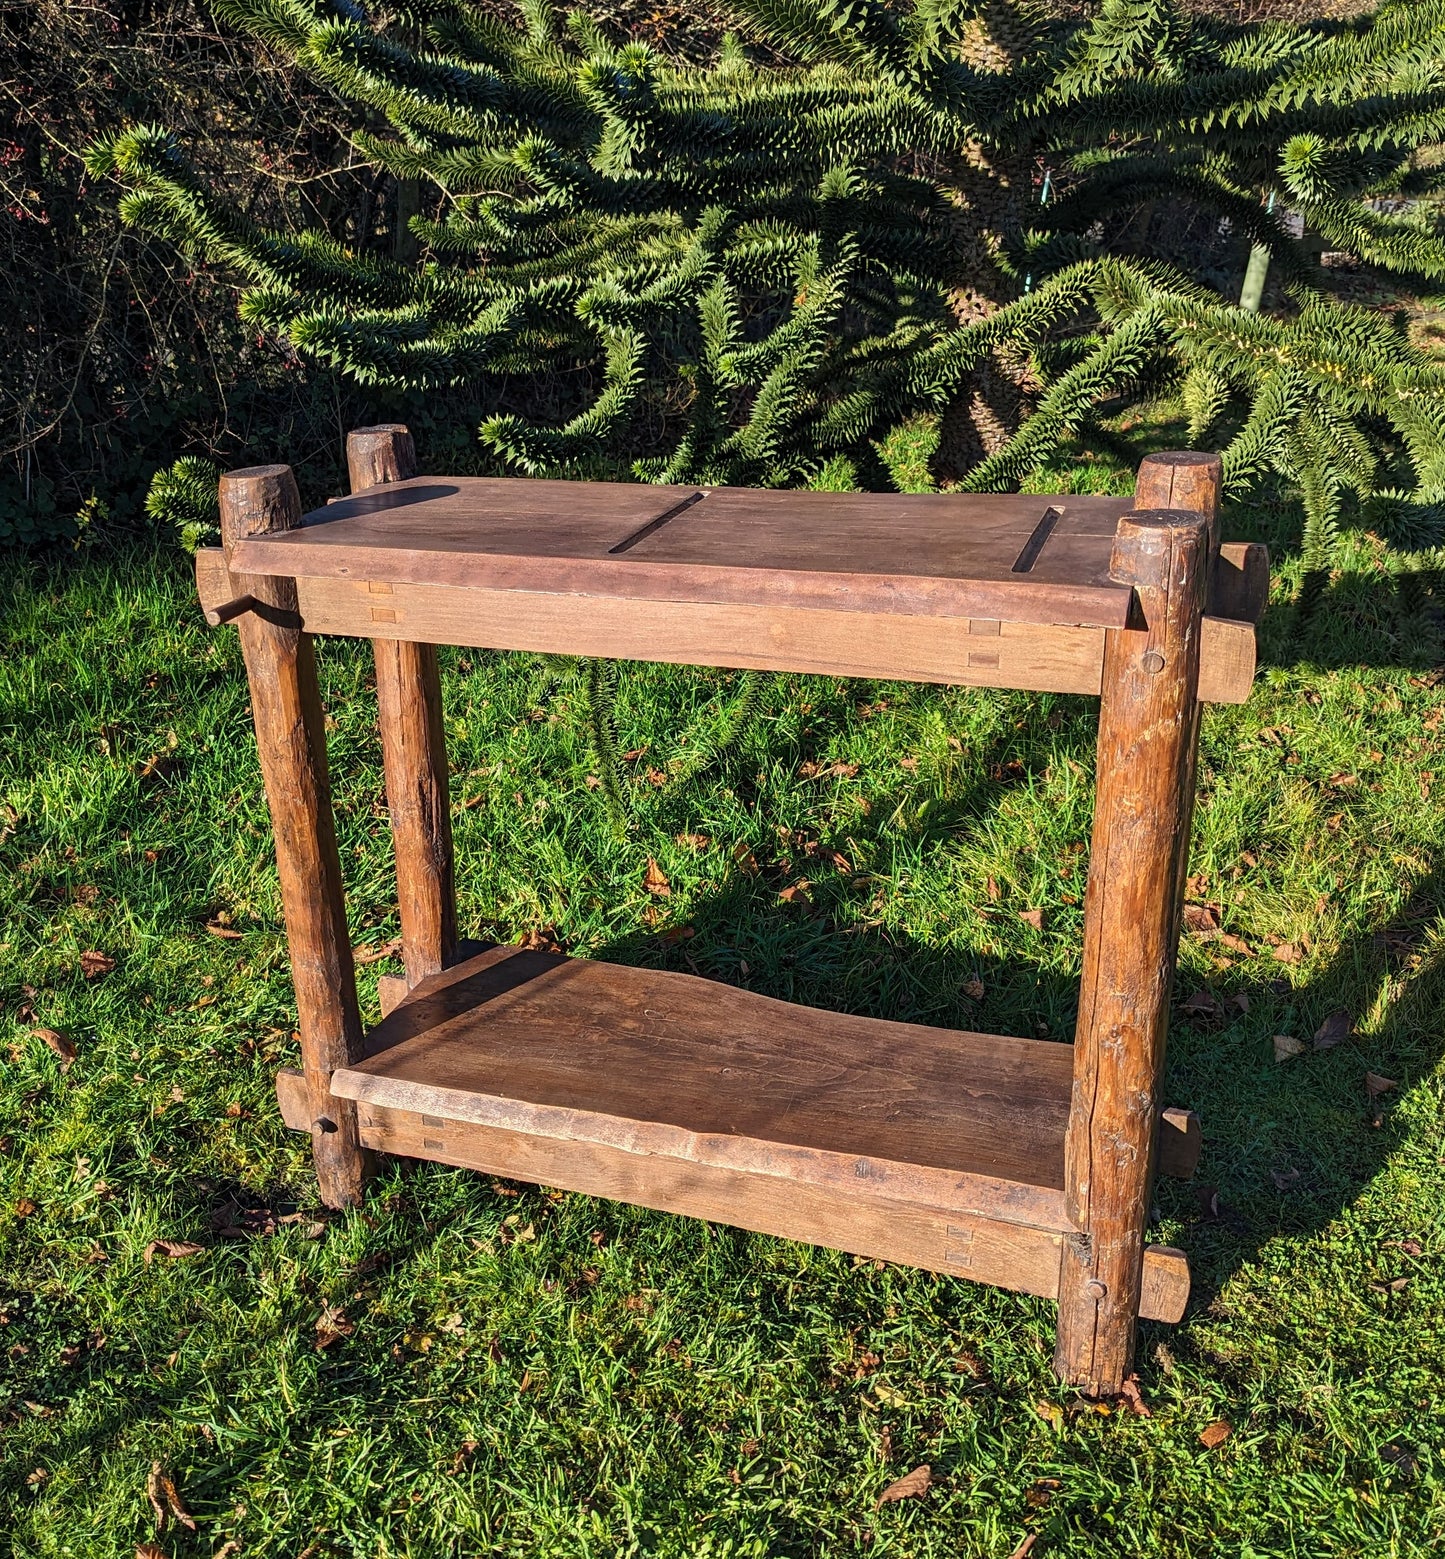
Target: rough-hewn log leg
point(1148, 729)
point(413, 745)
point(291, 740)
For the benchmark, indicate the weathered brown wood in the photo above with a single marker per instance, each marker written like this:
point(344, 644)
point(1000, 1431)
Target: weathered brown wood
point(679, 1067)
point(1181, 1141)
point(1145, 792)
point(934, 554)
point(1240, 589)
point(922, 649)
point(291, 743)
point(413, 746)
point(1007, 1255)
point(391, 991)
point(1183, 480)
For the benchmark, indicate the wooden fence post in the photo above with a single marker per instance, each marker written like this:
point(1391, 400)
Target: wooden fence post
point(1148, 732)
point(291, 741)
point(413, 746)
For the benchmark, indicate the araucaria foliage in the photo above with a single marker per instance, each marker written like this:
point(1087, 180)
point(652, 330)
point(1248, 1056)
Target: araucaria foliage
point(748, 272)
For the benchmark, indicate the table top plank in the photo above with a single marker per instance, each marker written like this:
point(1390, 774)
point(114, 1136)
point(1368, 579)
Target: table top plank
point(1012, 558)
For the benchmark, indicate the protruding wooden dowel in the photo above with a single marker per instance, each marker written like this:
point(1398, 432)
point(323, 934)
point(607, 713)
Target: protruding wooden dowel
point(413, 745)
point(291, 741)
point(216, 615)
point(1147, 734)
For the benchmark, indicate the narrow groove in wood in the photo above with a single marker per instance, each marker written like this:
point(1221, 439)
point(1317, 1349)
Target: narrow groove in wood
point(1029, 552)
point(643, 532)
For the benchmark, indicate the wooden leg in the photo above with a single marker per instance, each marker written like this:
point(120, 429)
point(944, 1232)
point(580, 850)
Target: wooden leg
point(291, 740)
point(413, 744)
point(1148, 732)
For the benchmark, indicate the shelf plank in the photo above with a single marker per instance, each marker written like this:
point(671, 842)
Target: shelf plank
point(675, 1067)
point(1008, 558)
point(1006, 1255)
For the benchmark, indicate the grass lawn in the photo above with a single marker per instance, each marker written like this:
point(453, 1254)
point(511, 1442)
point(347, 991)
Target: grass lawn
point(535, 1374)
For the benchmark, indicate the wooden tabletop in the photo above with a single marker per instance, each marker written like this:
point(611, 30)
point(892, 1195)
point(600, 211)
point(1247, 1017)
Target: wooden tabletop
point(1007, 558)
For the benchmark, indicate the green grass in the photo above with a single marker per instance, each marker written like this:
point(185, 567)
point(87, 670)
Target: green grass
point(537, 1374)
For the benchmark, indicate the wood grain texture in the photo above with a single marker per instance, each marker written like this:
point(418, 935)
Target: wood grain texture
point(912, 554)
point(976, 653)
point(1148, 726)
point(679, 1067)
point(1241, 581)
point(413, 746)
point(1006, 1255)
point(291, 742)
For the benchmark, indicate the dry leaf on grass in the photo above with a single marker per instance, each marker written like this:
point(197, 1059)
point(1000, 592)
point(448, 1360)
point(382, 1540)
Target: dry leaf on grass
point(1335, 1028)
point(93, 964)
point(797, 892)
point(655, 881)
point(1032, 917)
point(227, 933)
point(149, 1551)
point(1375, 1085)
point(1134, 1397)
point(1392, 1287)
point(165, 1499)
point(1287, 1047)
point(1286, 953)
point(694, 841)
point(332, 1326)
point(973, 989)
point(1026, 1547)
point(1215, 1435)
point(744, 859)
point(57, 1041)
point(1285, 1179)
point(173, 1249)
point(912, 1485)
point(1202, 919)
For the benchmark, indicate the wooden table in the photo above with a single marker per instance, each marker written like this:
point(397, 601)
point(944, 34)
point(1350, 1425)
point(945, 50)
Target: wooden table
point(1022, 1163)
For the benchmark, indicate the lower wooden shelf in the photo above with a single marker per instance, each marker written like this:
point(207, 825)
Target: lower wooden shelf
point(926, 1146)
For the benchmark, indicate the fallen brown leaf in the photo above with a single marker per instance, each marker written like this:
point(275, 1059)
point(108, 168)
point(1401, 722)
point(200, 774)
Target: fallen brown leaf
point(1215, 1435)
point(150, 1551)
point(540, 939)
point(1051, 1413)
point(1202, 1005)
point(1335, 1028)
point(973, 989)
point(93, 964)
point(912, 1485)
point(1236, 944)
point(797, 892)
point(655, 881)
point(1134, 1397)
point(165, 1499)
point(332, 1326)
point(676, 934)
point(657, 778)
point(173, 1249)
point(24, 1207)
point(1375, 1085)
point(1287, 1047)
point(1287, 953)
point(1202, 919)
point(744, 859)
point(1285, 1179)
point(694, 841)
point(63, 1047)
point(226, 933)
point(1032, 917)
point(1392, 1287)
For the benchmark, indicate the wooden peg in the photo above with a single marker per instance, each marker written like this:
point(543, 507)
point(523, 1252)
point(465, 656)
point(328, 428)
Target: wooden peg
point(227, 610)
point(1148, 729)
point(413, 745)
point(291, 741)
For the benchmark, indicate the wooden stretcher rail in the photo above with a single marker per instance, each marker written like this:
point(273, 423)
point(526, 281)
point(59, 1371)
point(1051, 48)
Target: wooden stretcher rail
point(1006, 1255)
point(1047, 658)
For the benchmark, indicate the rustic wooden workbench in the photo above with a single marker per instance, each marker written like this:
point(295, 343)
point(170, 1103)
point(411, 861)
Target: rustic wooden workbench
point(1022, 1163)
